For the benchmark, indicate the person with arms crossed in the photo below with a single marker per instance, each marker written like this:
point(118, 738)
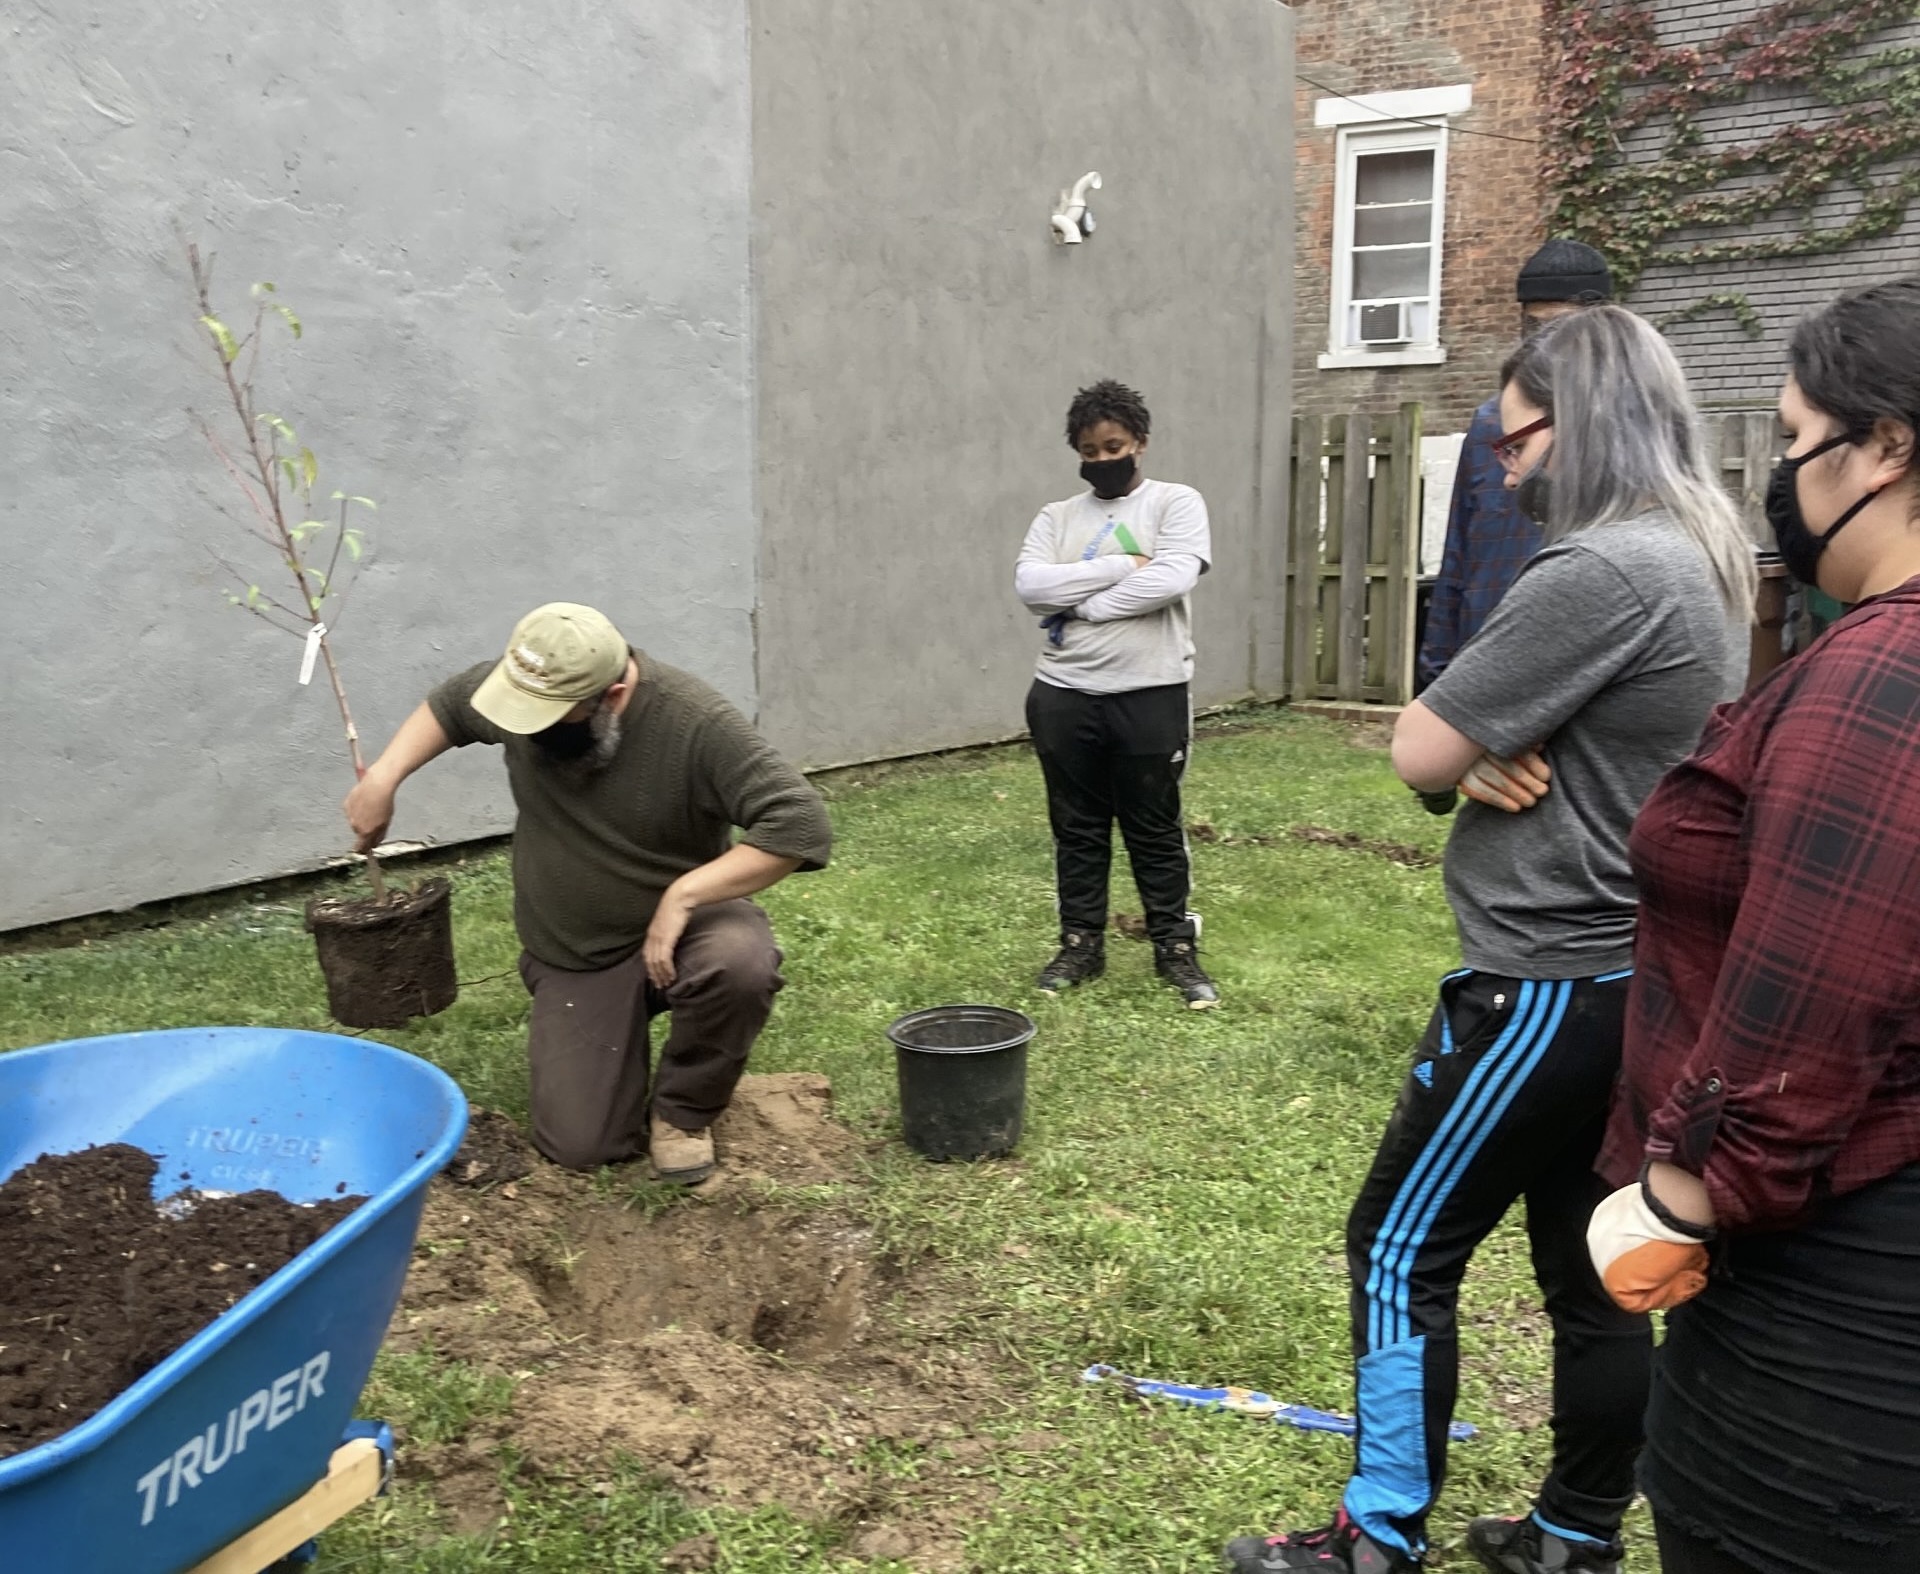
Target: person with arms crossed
point(1599, 668)
point(1110, 570)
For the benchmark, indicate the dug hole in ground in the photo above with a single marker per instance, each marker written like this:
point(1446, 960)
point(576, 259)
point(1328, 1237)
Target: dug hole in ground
point(741, 1348)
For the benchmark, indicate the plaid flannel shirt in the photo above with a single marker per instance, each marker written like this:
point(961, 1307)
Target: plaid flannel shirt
point(1773, 1030)
point(1488, 542)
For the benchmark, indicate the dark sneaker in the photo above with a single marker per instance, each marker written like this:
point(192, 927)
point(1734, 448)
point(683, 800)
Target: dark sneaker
point(1179, 964)
point(1525, 1546)
point(1082, 957)
point(1339, 1548)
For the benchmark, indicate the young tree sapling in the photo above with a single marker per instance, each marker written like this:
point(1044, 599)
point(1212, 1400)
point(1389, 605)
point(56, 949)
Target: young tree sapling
point(278, 475)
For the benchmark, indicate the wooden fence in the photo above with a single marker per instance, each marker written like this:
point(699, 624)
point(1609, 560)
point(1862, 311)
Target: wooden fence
point(1742, 445)
point(1353, 558)
point(1351, 592)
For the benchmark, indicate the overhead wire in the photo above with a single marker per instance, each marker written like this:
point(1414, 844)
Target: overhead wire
point(1415, 120)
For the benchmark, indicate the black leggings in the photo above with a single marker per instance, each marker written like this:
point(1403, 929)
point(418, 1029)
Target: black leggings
point(1681, 1553)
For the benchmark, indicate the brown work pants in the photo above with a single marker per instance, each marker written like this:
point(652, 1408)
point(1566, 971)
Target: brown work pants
point(589, 1046)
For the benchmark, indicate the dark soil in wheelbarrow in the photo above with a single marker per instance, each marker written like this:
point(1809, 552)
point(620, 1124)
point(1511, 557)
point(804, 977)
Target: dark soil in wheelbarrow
point(101, 1284)
point(747, 1342)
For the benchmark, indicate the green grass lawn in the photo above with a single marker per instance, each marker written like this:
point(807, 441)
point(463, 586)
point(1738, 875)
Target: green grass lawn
point(1184, 1182)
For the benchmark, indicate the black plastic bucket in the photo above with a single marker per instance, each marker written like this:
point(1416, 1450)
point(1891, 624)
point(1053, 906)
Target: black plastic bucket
point(963, 1080)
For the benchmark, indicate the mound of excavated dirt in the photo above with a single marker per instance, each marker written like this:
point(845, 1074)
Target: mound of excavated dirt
point(745, 1349)
point(493, 1152)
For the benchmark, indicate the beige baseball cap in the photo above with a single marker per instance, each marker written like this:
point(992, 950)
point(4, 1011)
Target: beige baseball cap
point(560, 654)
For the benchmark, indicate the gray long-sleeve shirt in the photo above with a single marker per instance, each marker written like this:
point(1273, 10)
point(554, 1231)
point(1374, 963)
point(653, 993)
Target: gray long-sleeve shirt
point(1130, 626)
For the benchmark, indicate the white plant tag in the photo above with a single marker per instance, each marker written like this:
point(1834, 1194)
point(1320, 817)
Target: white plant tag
point(307, 658)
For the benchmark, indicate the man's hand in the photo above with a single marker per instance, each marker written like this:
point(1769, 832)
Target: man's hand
point(369, 806)
point(1138, 560)
point(369, 810)
point(1509, 784)
point(1648, 1256)
point(663, 935)
point(742, 870)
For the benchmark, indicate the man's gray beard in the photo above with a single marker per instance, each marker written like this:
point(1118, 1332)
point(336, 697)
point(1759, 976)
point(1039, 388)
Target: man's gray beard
point(604, 724)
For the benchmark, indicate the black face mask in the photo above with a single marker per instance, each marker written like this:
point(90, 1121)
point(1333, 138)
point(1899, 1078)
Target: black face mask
point(1110, 477)
point(1800, 548)
point(565, 740)
point(1534, 495)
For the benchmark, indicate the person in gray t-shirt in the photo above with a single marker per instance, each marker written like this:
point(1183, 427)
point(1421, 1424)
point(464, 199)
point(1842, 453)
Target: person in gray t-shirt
point(1593, 676)
point(1612, 658)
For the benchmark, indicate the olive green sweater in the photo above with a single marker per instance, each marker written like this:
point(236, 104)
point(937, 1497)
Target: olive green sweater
point(593, 851)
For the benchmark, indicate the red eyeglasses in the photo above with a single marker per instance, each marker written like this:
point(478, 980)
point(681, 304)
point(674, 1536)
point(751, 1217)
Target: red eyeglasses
point(1506, 448)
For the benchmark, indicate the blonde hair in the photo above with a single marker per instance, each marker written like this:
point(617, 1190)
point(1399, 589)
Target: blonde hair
point(1626, 439)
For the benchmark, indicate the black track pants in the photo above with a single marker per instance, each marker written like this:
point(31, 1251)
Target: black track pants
point(1507, 1100)
point(1109, 757)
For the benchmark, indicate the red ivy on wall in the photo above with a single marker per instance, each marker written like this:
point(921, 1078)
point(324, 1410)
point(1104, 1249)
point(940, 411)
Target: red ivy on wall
point(1634, 174)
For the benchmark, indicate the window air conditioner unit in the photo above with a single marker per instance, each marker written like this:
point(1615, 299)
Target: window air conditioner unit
point(1390, 322)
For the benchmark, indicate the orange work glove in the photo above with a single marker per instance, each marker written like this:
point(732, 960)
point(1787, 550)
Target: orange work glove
point(1648, 1258)
point(1509, 784)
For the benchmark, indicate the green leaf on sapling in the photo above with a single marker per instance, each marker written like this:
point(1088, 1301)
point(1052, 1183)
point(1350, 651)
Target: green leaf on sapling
point(221, 337)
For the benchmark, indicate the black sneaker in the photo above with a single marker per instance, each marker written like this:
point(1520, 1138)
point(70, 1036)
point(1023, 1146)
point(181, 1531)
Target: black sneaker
point(1082, 957)
point(1179, 964)
point(1340, 1548)
point(1525, 1546)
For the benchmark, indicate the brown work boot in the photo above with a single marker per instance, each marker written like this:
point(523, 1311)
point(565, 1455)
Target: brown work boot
point(681, 1158)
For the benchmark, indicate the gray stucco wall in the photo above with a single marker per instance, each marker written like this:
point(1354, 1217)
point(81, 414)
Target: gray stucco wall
point(519, 238)
point(1726, 364)
point(920, 336)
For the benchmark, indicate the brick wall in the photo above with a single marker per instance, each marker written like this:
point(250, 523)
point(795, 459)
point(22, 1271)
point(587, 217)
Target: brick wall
point(1726, 365)
point(1495, 198)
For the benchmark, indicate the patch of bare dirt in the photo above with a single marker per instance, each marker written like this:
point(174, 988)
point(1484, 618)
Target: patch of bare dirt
point(1499, 1340)
point(1394, 852)
point(1320, 836)
point(741, 1347)
point(692, 1555)
point(464, 1480)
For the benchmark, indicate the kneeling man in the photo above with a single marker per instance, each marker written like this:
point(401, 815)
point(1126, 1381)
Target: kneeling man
point(629, 892)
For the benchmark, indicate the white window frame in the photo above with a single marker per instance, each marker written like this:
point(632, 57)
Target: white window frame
point(1385, 123)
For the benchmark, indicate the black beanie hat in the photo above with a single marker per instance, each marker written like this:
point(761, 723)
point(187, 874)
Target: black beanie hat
point(1566, 270)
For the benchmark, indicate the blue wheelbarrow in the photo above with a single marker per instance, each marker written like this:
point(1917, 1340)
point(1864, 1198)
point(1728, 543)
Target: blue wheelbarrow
point(240, 1446)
